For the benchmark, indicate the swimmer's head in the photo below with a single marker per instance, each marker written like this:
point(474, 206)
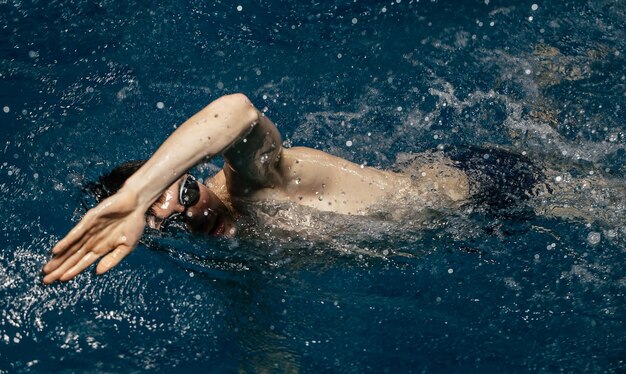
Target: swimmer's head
point(194, 204)
point(185, 200)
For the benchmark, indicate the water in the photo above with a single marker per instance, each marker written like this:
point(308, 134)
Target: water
point(85, 85)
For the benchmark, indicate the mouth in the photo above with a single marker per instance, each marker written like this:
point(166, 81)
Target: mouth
point(218, 229)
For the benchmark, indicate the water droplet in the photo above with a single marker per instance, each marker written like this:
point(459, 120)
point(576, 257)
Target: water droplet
point(594, 238)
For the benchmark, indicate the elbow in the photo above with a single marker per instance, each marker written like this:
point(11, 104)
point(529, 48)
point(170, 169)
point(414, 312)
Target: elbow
point(236, 106)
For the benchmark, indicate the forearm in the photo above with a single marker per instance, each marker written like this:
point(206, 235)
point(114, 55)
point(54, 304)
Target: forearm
point(208, 133)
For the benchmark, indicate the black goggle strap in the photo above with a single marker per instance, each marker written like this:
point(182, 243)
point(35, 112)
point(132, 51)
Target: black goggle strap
point(189, 193)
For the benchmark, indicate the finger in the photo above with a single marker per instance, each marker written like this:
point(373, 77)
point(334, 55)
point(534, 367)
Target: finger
point(70, 239)
point(55, 262)
point(113, 258)
point(59, 258)
point(76, 234)
point(68, 263)
point(84, 263)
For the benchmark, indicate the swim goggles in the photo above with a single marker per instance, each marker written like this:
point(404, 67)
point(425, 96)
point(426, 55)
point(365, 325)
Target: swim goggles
point(189, 192)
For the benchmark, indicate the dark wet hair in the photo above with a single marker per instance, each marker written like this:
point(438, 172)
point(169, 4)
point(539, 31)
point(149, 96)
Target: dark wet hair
point(108, 184)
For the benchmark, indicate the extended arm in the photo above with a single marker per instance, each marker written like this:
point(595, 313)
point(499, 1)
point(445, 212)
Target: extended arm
point(114, 227)
point(209, 132)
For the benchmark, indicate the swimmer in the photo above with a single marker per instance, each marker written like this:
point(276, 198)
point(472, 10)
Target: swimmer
point(257, 168)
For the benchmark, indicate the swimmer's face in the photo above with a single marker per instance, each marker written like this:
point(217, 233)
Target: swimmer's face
point(208, 214)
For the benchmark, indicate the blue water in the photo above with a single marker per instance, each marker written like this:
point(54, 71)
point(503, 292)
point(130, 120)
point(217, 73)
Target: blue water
point(80, 83)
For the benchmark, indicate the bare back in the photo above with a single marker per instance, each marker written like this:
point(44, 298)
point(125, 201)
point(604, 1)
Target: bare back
point(325, 182)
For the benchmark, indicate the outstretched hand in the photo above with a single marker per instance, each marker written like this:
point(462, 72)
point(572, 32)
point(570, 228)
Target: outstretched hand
point(111, 229)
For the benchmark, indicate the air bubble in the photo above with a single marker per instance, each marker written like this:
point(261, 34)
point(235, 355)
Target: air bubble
point(239, 8)
point(354, 21)
point(6, 109)
point(160, 105)
point(594, 238)
point(349, 143)
point(534, 7)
